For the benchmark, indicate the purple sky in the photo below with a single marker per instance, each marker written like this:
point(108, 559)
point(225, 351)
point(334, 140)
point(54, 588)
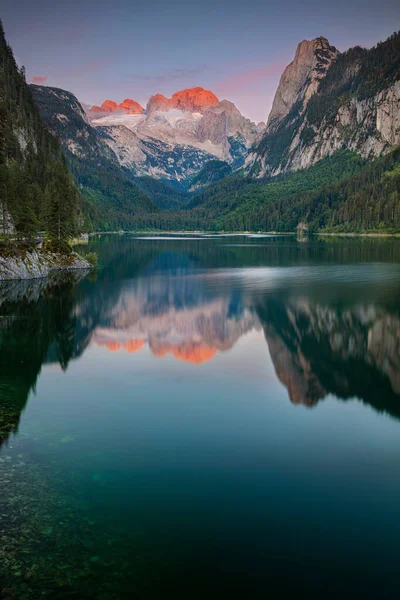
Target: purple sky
point(119, 48)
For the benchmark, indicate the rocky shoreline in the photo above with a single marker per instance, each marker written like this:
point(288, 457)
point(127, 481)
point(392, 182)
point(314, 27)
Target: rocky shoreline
point(39, 263)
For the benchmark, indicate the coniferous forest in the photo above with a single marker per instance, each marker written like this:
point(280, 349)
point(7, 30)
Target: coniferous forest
point(341, 193)
point(37, 191)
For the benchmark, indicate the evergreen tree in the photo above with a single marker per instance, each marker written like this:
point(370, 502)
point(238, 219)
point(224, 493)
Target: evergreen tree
point(32, 166)
point(60, 203)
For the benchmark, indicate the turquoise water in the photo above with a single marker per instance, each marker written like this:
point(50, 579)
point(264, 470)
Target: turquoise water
point(209, 416)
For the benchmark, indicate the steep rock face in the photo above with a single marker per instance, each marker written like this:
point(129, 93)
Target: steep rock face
point(194, 99)
point(327, 100)
point(370, 127)
point(158, 102)
point(126, 146)
point(301, 78)
point(225, 127)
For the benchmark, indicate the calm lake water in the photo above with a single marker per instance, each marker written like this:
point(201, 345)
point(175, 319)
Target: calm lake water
point(203, 417)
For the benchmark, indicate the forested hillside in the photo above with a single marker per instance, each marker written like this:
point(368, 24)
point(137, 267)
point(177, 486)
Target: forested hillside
point(340, 193)
point(37, 191)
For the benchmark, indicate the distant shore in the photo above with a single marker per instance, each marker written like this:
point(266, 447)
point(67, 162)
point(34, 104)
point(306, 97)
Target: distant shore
point(222, 233)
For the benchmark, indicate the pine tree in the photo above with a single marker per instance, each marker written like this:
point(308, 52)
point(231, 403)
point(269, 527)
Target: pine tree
point(60, 205)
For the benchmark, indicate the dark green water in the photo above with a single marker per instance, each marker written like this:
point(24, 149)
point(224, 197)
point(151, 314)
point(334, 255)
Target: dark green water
point(209, 417)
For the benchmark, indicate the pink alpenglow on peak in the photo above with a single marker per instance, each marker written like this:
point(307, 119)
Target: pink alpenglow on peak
point(191, 100)
point(129, 106)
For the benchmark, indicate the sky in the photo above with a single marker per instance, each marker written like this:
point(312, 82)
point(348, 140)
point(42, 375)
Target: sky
point(127, 49)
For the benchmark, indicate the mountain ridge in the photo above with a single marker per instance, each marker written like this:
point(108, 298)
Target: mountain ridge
point(352, 100)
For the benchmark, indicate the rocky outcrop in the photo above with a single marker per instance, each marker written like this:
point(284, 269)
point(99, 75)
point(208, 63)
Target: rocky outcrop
point(370, 127)
point(224, 126)
point(37, 264)
point(326, 101)
point(300, 79)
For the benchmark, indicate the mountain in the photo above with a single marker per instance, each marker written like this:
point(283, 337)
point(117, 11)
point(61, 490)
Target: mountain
point(178, 136)
point(111, 199)
point(326, 101)
point(171, 141)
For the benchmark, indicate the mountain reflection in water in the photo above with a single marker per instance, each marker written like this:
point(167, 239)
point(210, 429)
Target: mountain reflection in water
point(150, 445)
point(329, 328)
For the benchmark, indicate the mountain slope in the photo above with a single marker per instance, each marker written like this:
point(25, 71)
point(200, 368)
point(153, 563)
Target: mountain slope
point(111, 200)
point(326, 101)
point(340, 193)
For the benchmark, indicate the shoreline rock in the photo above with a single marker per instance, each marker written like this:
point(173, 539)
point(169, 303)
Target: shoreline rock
point(38, 264)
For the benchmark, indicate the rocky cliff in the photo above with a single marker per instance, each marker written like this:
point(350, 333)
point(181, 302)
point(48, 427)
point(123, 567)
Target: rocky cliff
point(300, 79)
point(326, 101)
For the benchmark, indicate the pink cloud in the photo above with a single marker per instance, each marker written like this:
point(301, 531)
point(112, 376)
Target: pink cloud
point(38, 79)
point(250, 77)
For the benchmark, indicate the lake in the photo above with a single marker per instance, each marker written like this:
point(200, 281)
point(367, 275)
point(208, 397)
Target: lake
point(204, 415)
